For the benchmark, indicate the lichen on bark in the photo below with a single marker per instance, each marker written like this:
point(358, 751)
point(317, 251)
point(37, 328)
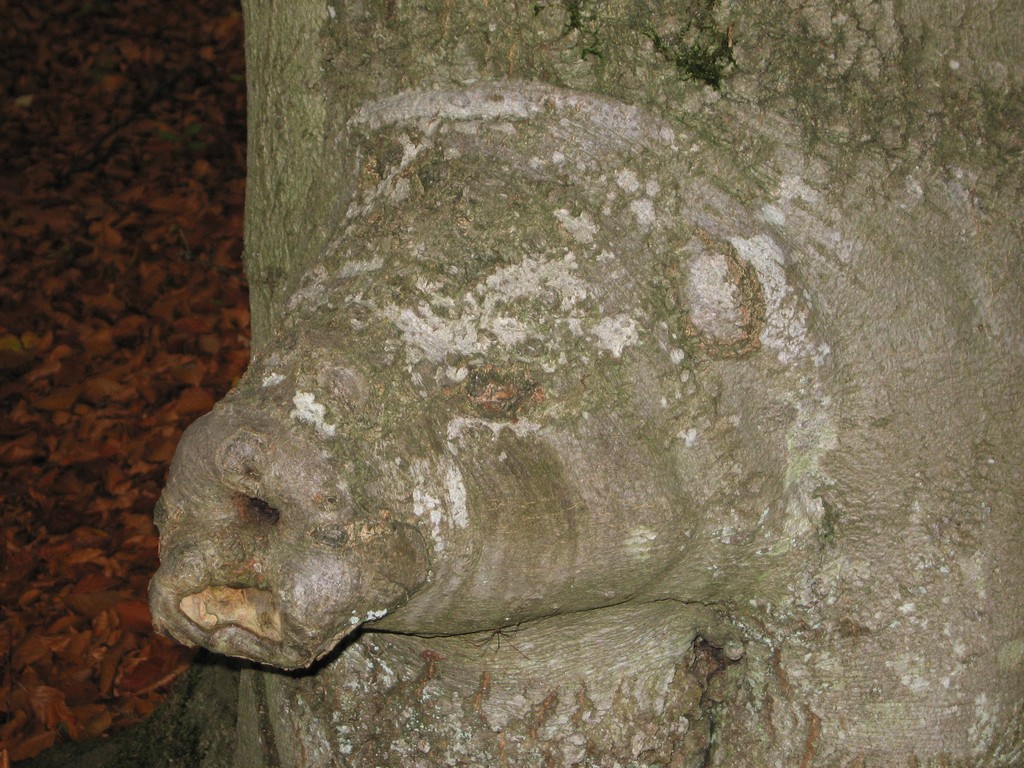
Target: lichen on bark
point(654, 372)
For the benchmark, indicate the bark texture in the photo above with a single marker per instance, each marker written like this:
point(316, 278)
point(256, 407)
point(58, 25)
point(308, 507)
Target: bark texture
point(637, 384)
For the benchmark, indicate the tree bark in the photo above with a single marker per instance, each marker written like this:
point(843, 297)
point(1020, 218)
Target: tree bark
point(636, 384)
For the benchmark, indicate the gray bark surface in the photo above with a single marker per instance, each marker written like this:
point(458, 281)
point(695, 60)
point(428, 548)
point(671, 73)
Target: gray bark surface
point(637, 384)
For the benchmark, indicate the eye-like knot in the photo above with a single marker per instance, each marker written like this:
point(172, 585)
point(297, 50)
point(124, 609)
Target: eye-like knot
point(724, 299)
point(241, 458)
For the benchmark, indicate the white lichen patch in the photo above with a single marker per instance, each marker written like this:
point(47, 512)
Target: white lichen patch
point(456, 489)
point(981, 731)
point(272, 379)
point(427, 506)
point(410, 150)
point(434, 337)
point(508, 331)
point(309, 411)
point(616, 333)
point(359, 267)
point(492, 313)
point(313, 292)
point(455, 375)
point(794, 188)
point(627, 180)
point(534, 277)
point(439, 498)
point(773, 214)
point(582, 227)
point(643, 209)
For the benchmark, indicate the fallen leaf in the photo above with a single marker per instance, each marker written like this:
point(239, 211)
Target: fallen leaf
point(194, 400)
point(134, 615)
point(92, 604)
point(33, 745)
point(30, 650)
point(61, 400)
point(48, 705)
point(99, 390)
point(21, 449)
point(95, 719)
point(89, 555)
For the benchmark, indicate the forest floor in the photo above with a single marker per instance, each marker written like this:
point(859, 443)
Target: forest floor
point(123, 317)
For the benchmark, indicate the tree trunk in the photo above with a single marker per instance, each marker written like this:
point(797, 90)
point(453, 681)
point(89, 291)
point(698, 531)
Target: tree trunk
point(637, 383)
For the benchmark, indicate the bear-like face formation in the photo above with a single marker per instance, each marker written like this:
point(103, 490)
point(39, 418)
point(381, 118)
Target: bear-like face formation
point(497, 398)
point(269, 550)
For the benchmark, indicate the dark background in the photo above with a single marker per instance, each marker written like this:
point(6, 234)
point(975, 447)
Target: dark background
point(123, 317)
